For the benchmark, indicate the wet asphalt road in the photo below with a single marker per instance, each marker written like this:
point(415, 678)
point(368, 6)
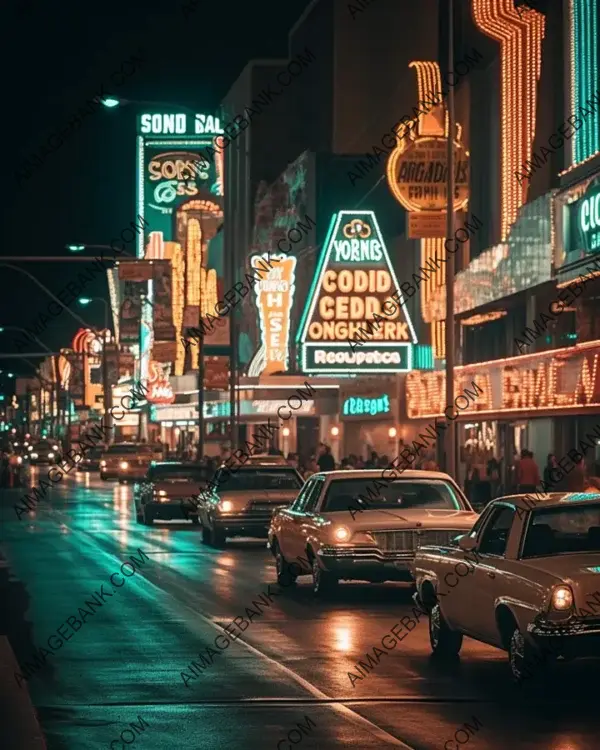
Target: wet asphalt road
point(290, 666)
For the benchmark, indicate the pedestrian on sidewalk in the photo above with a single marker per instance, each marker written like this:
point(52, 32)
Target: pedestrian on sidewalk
point(528, 474)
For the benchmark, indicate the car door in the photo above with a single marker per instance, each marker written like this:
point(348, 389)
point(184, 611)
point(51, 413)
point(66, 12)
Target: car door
point(487, 576)
point(306, 527)
point(287, 520)
point(301, 517)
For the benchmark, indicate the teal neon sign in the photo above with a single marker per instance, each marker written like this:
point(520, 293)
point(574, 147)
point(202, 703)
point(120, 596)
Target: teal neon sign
point(358, 405)
point(179, 124)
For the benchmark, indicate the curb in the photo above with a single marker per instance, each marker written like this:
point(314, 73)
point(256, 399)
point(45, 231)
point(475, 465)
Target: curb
point(19, 726)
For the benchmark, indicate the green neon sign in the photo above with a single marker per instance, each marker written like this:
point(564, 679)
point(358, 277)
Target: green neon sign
point(358, 405)
point(179, 124)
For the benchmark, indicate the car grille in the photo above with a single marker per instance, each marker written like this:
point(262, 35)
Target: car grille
point(409, 540)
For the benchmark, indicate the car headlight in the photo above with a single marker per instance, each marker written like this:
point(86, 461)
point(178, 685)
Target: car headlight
point(341, 534)
point(225, 506)
point(50, 455)
point(30, 448)
point(562, 598)
point(55, 447)
point(34, 455)
point(162, 493)
point(102, 463)
point(124, 465)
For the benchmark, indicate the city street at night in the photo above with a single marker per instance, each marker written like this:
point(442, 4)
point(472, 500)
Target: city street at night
point(291, 663)
point(300, 375)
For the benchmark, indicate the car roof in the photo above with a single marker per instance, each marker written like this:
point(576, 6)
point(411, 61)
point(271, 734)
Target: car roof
point(533, 501)
point(378, 473)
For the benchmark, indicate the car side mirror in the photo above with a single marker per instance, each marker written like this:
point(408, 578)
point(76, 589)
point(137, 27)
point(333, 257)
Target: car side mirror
point(467, 543)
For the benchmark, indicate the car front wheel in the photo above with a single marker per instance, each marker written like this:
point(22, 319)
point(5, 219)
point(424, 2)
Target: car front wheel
point(323, 581)
point(444, 642)
point(285, 576)
point(520, 657)
point(217, 537)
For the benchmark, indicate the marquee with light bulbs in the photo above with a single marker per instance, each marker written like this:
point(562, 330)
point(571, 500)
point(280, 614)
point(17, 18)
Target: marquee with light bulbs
point(563, 380)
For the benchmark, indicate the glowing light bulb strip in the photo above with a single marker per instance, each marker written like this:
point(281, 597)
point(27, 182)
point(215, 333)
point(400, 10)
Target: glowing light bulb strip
point(584, 78)
point(429, 80)
point(520, 37)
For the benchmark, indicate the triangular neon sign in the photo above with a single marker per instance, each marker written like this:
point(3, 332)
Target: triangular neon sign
point(351, 301)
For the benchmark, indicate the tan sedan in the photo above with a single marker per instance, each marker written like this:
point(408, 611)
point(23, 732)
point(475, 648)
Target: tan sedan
point(244, 499)
point(526, 579)
point(358, 525)
point(126, 461)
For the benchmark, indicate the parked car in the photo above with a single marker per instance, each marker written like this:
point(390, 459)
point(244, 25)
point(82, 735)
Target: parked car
point(170, 491)
point(533, 584)
point(358, 525)
point(45, 452)
point(125, 461)
point(242, 503)
point(91, 459)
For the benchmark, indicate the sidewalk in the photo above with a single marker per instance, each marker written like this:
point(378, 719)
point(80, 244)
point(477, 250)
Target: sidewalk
point(19, 727)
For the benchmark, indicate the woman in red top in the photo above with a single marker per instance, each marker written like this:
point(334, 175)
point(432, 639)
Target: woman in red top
point(528, 474)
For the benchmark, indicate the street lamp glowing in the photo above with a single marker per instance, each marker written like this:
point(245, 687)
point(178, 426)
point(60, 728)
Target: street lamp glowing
point(10, 374)
point(1, 331)
point(84, 300)
point(110, 102)
point(75, 248)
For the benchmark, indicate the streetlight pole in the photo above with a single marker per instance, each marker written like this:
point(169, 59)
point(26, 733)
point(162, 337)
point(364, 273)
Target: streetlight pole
point(106, 386)
point(450, 264)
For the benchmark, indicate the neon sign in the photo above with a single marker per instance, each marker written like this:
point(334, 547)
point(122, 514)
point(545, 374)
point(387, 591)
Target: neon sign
point(589, 220)
point(161, 391)
point(179, 124)
point(567, 379)
point(274, 298)
point(352, 287)
point(359, 405)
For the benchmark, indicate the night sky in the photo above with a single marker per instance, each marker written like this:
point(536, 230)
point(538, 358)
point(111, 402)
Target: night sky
point(56, 58)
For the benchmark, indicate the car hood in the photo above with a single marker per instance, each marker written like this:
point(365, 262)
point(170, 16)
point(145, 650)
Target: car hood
point(582, 571)
point(378, 520)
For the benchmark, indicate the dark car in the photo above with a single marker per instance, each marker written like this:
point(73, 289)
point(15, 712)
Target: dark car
point(242, 503)
point(91, 459)
point(45, 452)
point(170, 491)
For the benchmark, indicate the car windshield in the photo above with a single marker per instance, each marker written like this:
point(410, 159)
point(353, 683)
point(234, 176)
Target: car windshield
point(399, 494)
point(129, 448)
point(179, 473)
point(276, 478)
point(562, 530)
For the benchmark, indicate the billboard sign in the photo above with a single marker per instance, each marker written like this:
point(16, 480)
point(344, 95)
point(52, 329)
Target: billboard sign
point(178, 161)
point(162, 301)
point(354, 282)
point(417, 173)
point(274, 299)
